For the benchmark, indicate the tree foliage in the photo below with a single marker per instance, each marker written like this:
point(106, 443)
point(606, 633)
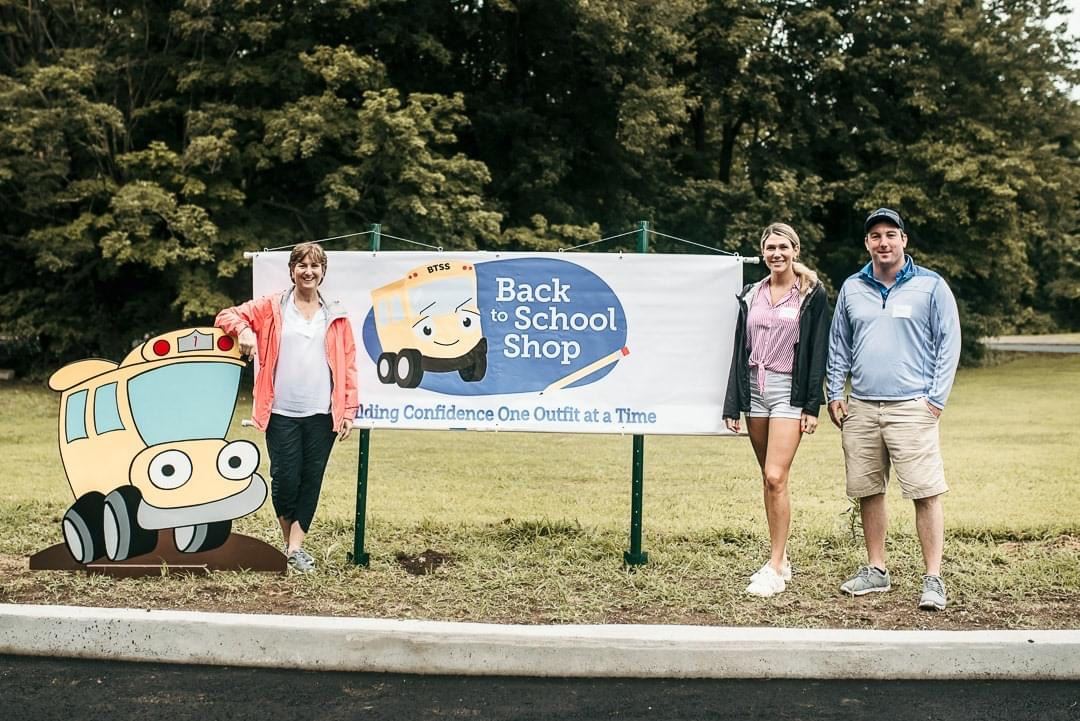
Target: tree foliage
point(145, 146)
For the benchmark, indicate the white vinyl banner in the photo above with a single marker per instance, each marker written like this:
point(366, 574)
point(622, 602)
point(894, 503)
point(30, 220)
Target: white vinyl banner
point(582, 342)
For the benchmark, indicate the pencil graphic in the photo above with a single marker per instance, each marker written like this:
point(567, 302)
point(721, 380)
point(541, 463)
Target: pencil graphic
point(591, 368)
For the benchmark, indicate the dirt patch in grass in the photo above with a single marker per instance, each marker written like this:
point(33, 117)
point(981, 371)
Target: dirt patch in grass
point(1060, 543)
point(422, 564)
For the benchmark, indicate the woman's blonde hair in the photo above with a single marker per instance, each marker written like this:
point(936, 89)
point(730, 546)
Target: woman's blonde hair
point(303, 250)
point(806, 277)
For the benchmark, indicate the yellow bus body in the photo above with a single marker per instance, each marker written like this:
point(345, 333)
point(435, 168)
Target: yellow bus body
point(102, 460)
point(431, 322)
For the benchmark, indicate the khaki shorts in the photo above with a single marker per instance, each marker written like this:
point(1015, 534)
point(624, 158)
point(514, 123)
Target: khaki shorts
point(901, 433)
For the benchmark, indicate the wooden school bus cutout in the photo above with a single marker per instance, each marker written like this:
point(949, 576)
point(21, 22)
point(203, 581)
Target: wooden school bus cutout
point(142, 443)
point(429, 321)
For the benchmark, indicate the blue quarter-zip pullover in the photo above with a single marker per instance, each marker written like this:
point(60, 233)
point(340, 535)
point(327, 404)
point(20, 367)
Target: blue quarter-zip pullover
point(896, 343)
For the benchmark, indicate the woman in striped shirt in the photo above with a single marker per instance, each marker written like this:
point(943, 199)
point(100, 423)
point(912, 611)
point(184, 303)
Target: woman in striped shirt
point(777, 371)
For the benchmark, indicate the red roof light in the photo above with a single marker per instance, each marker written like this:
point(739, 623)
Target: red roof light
point(161, 347)
point(225, 343)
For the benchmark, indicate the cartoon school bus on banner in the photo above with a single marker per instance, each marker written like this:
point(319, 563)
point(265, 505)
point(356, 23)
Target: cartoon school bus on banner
point(142, 443)
point(430, 321)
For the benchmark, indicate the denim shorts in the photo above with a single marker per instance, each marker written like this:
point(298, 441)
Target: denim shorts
point(775, 402)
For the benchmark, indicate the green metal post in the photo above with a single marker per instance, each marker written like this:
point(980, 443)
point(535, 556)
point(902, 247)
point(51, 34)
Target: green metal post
point(359, 556)
point(635, 556)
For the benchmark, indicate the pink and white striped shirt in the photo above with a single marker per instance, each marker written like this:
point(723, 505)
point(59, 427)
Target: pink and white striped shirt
point(772, 331)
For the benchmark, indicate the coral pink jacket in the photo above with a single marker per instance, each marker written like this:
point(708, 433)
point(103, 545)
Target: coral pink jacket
point(264, 316)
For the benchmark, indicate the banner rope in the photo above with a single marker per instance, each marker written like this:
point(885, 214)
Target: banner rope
point(594, 242)
point(439, 248)
point(320, 240)
point(662, 235)
point(690, 242)
point(354, 235)
point(414, 242)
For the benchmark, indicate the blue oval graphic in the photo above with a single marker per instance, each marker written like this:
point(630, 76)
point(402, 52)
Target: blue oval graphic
point(517, 325)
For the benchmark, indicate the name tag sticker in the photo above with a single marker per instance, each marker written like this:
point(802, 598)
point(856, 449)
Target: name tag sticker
point(901, 310)
point(793, 313)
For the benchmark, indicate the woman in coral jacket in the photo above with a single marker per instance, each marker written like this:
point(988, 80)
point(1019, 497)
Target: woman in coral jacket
point(305, 388)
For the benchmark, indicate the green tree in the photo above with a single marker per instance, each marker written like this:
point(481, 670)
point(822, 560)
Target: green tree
point(145, 146)
point(958, 114)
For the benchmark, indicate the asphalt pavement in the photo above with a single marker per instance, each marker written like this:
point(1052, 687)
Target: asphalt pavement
point(44, 689)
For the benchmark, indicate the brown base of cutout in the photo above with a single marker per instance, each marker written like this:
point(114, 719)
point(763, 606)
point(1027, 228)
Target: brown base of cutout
point(238, 553)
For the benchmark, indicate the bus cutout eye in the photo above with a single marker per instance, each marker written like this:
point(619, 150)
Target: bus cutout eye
point(423, 331)
point(238, 460)
point(466, 322)
point(170, 469)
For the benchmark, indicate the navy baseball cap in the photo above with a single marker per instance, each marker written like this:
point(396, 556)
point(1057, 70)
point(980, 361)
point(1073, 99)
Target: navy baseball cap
point(887, 215)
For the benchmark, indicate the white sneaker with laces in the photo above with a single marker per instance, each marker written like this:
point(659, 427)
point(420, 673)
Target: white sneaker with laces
point(785, 570)
point(766, 582)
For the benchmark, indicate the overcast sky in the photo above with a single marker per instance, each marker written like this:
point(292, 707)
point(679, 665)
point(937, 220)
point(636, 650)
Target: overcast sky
point(1074, 17)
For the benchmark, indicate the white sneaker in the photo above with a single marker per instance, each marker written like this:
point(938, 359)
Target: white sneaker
point(766, 582)
point(785, 570)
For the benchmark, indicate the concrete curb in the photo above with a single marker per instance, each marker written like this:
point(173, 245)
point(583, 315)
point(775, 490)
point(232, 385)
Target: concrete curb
point(432, 647)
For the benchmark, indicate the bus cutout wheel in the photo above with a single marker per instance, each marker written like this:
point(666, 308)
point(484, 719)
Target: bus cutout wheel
point(408, 369)
point(385, 367)
point(124, 537)
point(202, 536)
point(477, 363)
point(83, 534)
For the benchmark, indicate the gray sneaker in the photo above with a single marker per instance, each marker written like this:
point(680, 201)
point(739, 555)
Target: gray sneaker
point(867, 580)
point(933, 594)
point(301, 562)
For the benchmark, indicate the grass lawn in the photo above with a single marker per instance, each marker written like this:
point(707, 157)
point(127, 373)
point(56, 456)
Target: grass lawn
point(533, 526)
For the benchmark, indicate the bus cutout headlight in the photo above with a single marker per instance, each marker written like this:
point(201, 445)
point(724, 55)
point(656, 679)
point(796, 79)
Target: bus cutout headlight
point(238, 460)
point(170, 469)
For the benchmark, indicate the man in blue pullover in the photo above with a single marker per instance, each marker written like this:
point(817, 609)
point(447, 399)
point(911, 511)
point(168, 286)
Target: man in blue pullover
point(896, 334)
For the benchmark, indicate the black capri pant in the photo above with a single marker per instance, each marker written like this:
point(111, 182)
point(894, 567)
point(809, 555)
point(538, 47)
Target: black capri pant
point(299, 449)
